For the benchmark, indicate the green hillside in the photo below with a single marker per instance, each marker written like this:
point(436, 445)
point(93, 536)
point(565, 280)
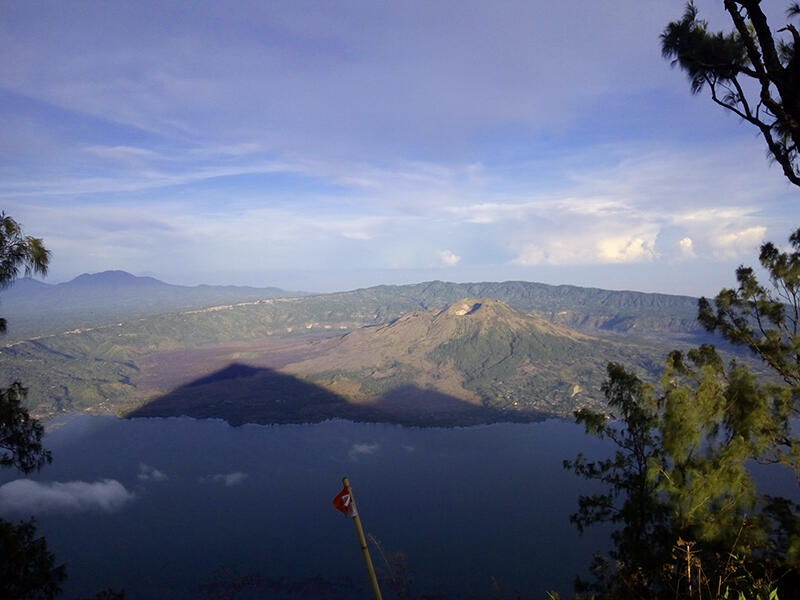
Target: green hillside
point(585, 309)
point(33, 308)
point(122, 365)
point(477, 350)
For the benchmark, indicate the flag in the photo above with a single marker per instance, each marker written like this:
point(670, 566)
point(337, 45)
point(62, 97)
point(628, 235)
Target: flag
point(344, 502)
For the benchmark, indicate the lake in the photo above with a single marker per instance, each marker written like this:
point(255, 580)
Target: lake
point(183, 508)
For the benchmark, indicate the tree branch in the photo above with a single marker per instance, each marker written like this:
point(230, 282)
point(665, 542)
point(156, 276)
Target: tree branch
point(762, 68)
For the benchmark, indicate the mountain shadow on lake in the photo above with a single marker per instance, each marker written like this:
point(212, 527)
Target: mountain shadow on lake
point(242, 393)
point(412, 405)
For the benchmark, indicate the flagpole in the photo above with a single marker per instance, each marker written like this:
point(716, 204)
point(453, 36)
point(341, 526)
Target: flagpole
point(363, 542)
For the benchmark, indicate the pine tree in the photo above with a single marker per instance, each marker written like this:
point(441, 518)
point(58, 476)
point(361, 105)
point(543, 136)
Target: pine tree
point(679, 487)
point(28, 569)
point(751, 71)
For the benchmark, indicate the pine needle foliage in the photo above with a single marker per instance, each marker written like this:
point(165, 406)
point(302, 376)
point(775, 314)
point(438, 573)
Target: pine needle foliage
point(751, 71)
point(20, 435)
point(679, 488)
point(28, 569)
point(690, 518)
point(19, 253)
point(766, 319)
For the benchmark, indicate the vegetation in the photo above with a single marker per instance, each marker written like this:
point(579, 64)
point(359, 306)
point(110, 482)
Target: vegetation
point(426, 368)
point(691, 522)
point(105, 369)
point(27, 567)
point(112, 297)
point(766, 320)
point(28, 570)
point(20, 436)
point(680, 488)
point(37, 308)
point(18, 252)
point(747, 71)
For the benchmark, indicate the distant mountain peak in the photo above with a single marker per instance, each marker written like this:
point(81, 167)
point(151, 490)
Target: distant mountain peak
point(115, 277)
point(483, 307)
point(28, 283)
point(463, 307)
point(487, 312)
point(478, 350)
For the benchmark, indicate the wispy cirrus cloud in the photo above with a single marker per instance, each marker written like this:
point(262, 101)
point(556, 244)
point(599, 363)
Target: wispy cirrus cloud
point(431, 75)
point(379, 138)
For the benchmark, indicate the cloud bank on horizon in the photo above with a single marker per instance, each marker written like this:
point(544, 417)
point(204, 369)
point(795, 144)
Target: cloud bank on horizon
point(329, 146)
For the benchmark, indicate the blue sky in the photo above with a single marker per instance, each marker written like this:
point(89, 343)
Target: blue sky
point(331, 145)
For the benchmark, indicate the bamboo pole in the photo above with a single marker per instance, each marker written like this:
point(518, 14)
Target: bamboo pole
point(363, 542)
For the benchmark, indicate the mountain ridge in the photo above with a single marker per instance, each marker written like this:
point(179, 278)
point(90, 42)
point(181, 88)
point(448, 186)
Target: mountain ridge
point(113, 277)
point(477, 360)
point(479, 350)
point(34, 308)
point(123, 362)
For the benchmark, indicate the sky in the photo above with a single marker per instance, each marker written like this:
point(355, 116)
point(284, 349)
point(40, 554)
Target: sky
point(325, 146)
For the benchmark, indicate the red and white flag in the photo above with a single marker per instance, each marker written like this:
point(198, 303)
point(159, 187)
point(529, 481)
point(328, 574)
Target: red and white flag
point(344, 503)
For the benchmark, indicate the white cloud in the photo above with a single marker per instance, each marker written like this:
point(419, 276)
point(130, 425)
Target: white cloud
point(732, 244)
point(686, 246)
point(558, 249)
point(239, 149)
point(585, 246)
point(226, 479)
point(123, 153)
point(148, 473)
point(27, 496)
point(358, 228)
point(449, 258)
point(532, 254)
point(358, 450)
point(491, 212)
point(625, 249)
point(425, 80)
point(592, 220)
point(596, 215)
point(135, 180)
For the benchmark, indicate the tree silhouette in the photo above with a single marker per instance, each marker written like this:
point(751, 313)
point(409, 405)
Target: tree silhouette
point(19, 252)
point(690, 520)
point(20, 435)
point(749, 71)
point(679, 489)
point(28, 569)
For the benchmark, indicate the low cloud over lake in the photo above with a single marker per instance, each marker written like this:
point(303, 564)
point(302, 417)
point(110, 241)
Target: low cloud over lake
point(364, 449)
point(26, 496)
point(148, 473)
point(226, 479)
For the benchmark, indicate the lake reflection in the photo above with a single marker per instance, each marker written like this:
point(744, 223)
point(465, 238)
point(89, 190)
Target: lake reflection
point(202, 504)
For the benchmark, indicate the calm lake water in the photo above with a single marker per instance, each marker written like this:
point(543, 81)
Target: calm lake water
point(179, 508)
